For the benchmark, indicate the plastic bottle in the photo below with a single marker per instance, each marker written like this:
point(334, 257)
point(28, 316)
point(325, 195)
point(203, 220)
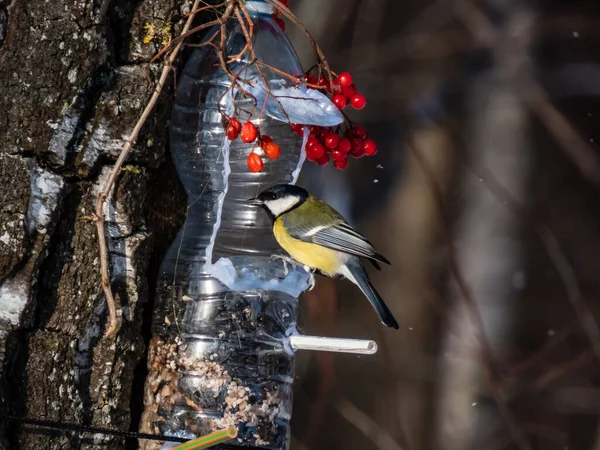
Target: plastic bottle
point(218, 356)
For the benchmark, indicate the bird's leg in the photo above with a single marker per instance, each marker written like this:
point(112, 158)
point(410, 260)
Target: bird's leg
point(311, 281)
point(286, 260)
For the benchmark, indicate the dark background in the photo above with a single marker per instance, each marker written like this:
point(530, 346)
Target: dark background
point(484, 195)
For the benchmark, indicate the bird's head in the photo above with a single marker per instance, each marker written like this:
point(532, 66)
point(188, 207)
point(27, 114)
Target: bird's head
point(280, 199)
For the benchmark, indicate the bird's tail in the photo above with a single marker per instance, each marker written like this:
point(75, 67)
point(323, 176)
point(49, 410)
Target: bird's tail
point(355, 272)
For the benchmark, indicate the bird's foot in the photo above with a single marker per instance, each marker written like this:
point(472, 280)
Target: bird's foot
point(311, 281)
point(287, 261)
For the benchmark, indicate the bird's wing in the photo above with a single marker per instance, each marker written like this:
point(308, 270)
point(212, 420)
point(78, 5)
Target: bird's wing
point(338, 236)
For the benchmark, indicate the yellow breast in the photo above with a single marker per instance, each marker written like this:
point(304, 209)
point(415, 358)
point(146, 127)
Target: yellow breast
point(312, 255)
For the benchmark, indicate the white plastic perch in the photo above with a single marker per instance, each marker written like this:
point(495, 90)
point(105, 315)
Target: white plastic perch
point(329, 344)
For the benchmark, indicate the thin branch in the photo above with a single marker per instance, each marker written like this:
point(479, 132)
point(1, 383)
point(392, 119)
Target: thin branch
point(254, 59)
point(371, 429)
point(99, 216)
point(517, 434)
point(187, 32)
point(577, 149)
point(291, 16)
point(557, 257)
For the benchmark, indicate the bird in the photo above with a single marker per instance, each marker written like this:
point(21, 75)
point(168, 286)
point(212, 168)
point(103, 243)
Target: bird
point(316, 236)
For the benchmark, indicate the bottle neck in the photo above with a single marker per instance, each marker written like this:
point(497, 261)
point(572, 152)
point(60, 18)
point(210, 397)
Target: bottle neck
point(259, 7)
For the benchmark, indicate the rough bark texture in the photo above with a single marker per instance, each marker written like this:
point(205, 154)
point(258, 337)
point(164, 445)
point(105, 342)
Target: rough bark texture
point(74, 81)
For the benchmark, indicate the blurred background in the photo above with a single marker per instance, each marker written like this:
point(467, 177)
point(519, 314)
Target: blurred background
point(484, 196)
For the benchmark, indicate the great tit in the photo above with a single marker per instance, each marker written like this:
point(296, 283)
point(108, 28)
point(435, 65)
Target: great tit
point(317, 236)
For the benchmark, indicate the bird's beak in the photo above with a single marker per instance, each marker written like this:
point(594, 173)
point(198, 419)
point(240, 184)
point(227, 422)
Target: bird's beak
point(254, 202)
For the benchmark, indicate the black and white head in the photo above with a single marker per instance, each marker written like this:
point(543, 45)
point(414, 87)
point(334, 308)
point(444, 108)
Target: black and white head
point(280, 199)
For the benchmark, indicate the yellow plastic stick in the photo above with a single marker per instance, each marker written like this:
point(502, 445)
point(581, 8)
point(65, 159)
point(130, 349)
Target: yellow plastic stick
point(209, 440)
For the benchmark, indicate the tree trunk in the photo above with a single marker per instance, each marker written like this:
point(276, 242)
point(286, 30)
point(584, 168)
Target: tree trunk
point(74, 82)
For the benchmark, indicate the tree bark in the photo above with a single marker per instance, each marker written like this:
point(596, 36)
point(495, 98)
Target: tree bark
point(75, 80)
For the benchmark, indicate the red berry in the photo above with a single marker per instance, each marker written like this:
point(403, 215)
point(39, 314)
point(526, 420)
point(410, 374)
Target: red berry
point(280, 22)
point(349, 91)
point(338, 155)
point(359, 131)
point(323, 159)
point(264, 139)
point(332, 140)
point(314, 149)
point(344, 145)
point(340, 101)
point(341, 164)
point(357, 144)
point(322, 81)
point(233, 122)
point(298, 129)
point(370, 147)
point(345, 79)
point(255, 163)
point(357, 148)
point(358, 101)
point(311, 79)
point(249, 132)
point(318, 150)
point(272, 150)
point(232, 133)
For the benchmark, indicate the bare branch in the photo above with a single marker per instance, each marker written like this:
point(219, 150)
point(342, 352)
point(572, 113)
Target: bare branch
point(99, 215)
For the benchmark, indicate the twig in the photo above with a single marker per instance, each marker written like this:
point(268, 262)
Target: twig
point(187, 32)
point(291, 16)
point(571, 143)
point(517, 434)
point(557, 257)
point(99, 215)
point(366, 425)
point(561, 370)
point(254, 59)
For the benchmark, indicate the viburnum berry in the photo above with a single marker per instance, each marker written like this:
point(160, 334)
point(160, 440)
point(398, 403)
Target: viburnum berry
point(345, 79)
point(255, 163)
point(298, 129)
point(369, 147)
point(357, 145)
point(340, 101)
point(318, 150)
point(233, 122)
point(249, 132)
point(323, 159)
point(349, 91)
point(231, 132)
point(332, 140)
point(264, 139)
point(358, 101)
point(344, 146)
point(341, 164)
point(359, 131)
point(338, 155)
point(272, 150)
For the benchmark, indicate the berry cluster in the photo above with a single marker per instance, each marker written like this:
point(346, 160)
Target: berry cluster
point(248, 133)
point(343, 91)
point(325, 143)
point(328, 143)
point(277, 15)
